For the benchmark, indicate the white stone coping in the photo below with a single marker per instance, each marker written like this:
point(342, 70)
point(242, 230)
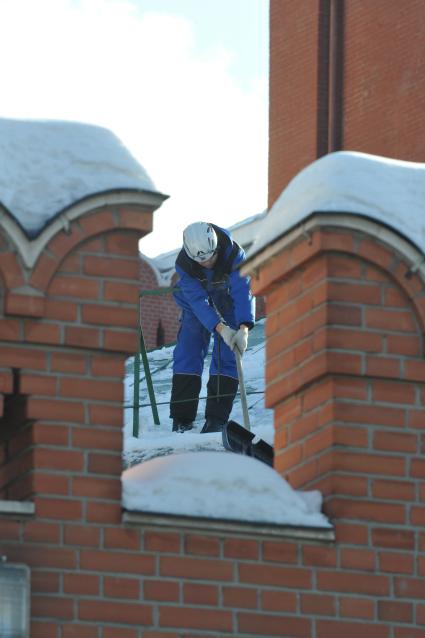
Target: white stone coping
point(290, 532)
point(31, 248)
point(17, 508)
point(344, 221)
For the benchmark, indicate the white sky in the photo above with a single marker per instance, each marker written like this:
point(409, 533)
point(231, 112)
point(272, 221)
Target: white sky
point(183, 83)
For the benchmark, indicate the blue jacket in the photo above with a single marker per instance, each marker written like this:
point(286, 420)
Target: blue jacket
point(217, 293)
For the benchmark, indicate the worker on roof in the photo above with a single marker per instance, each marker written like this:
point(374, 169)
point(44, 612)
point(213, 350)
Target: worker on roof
point(214, 299)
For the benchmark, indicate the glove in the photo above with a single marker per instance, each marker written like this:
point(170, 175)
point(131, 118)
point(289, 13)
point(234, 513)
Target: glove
point(227, 335)
point(240, 340)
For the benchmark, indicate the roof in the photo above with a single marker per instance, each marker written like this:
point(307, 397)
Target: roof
point(46, 166)
point(387, 190)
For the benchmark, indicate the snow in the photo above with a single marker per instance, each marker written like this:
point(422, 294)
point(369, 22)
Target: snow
point(191, 474)
point(387, 190)
point(217, 485)
point(47, 165)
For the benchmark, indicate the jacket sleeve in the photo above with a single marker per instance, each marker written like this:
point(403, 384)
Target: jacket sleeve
point(242, 296)
point(197, 297)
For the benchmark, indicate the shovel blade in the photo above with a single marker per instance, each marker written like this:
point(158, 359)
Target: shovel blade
point(238, 439)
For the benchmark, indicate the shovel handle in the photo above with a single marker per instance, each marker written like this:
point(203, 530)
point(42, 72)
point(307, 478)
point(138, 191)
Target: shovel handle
point(242, 390)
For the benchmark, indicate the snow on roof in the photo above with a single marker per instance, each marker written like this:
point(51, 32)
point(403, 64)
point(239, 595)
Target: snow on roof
point(48, 165)
point(387, 190)
point(218, 485)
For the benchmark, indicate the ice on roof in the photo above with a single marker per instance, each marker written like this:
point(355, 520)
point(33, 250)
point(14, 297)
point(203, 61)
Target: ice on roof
point(387, 190)
point(48, 165)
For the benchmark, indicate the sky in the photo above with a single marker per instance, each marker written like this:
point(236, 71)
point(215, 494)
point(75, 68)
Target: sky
point(183, 83)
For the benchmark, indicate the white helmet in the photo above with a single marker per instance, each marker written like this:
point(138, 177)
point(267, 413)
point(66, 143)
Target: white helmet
point(200, 241)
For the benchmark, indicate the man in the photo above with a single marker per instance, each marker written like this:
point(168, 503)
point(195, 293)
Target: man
point(214, 299)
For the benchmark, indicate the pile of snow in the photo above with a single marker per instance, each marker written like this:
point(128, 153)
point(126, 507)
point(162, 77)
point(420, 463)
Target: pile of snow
point(47, 165)
point(218, 485)
point(387, 190)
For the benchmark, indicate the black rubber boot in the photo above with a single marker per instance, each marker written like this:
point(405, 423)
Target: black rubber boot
point(181, 426)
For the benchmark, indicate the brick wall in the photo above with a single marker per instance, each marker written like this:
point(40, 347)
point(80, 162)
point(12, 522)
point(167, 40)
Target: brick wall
point(346, 378)
point(344, 74)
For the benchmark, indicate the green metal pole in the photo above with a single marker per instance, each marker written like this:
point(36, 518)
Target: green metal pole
point(148, 379)
point(136, 390)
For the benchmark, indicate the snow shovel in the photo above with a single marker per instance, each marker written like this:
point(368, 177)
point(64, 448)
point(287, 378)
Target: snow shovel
point(240, 439)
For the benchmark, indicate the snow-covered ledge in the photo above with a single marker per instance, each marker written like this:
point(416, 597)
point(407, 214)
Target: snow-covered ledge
point(17, 508)
point(221, 492)
point(355, 190)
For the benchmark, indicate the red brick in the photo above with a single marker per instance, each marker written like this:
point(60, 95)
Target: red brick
point(121, 292)
point(43, 629)
point(162, 542)
point(396, 562)
point(114, 612)
point(200, 594)
point(120, 632)
point(100, 414)
point(52, 607)
point(37, 332)
point(82, 337)
point(111, 267)
point(81, 535)
point(10, 530)
point(122, 538)
point(43, 557)
point(51, 434)
point(240, 597)
point(58, 459)
point(359, 559)
point(61, 362)
point(193, 618)
point(121, 562)
point(110, 315)
point(281, 601)
point(81, 584)
point(55, 410)
point(338, 628)
point(395, 442)
point(275, 575)
point(196, 568)
point(100, 220)
point(319, 556)
point(104, 488)
point(121, 587)
point(353, 583)
point(78, 630)
point(161, 590)
point(240, 548)
point(393, 320)
point(394, 490)
point(99, 463)
point(109, 513)
point(61, 310)
point(78, 287)
point(393, 611)
point(23, 358)
point(40, 532)
point(405, 587)
point(91, 438)
point(202, 545)
point(272, 625)
point(318, 604)
point(62, 509)
point(45, 582)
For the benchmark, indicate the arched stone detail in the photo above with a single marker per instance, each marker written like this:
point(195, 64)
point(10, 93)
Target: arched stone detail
point(371, 241)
